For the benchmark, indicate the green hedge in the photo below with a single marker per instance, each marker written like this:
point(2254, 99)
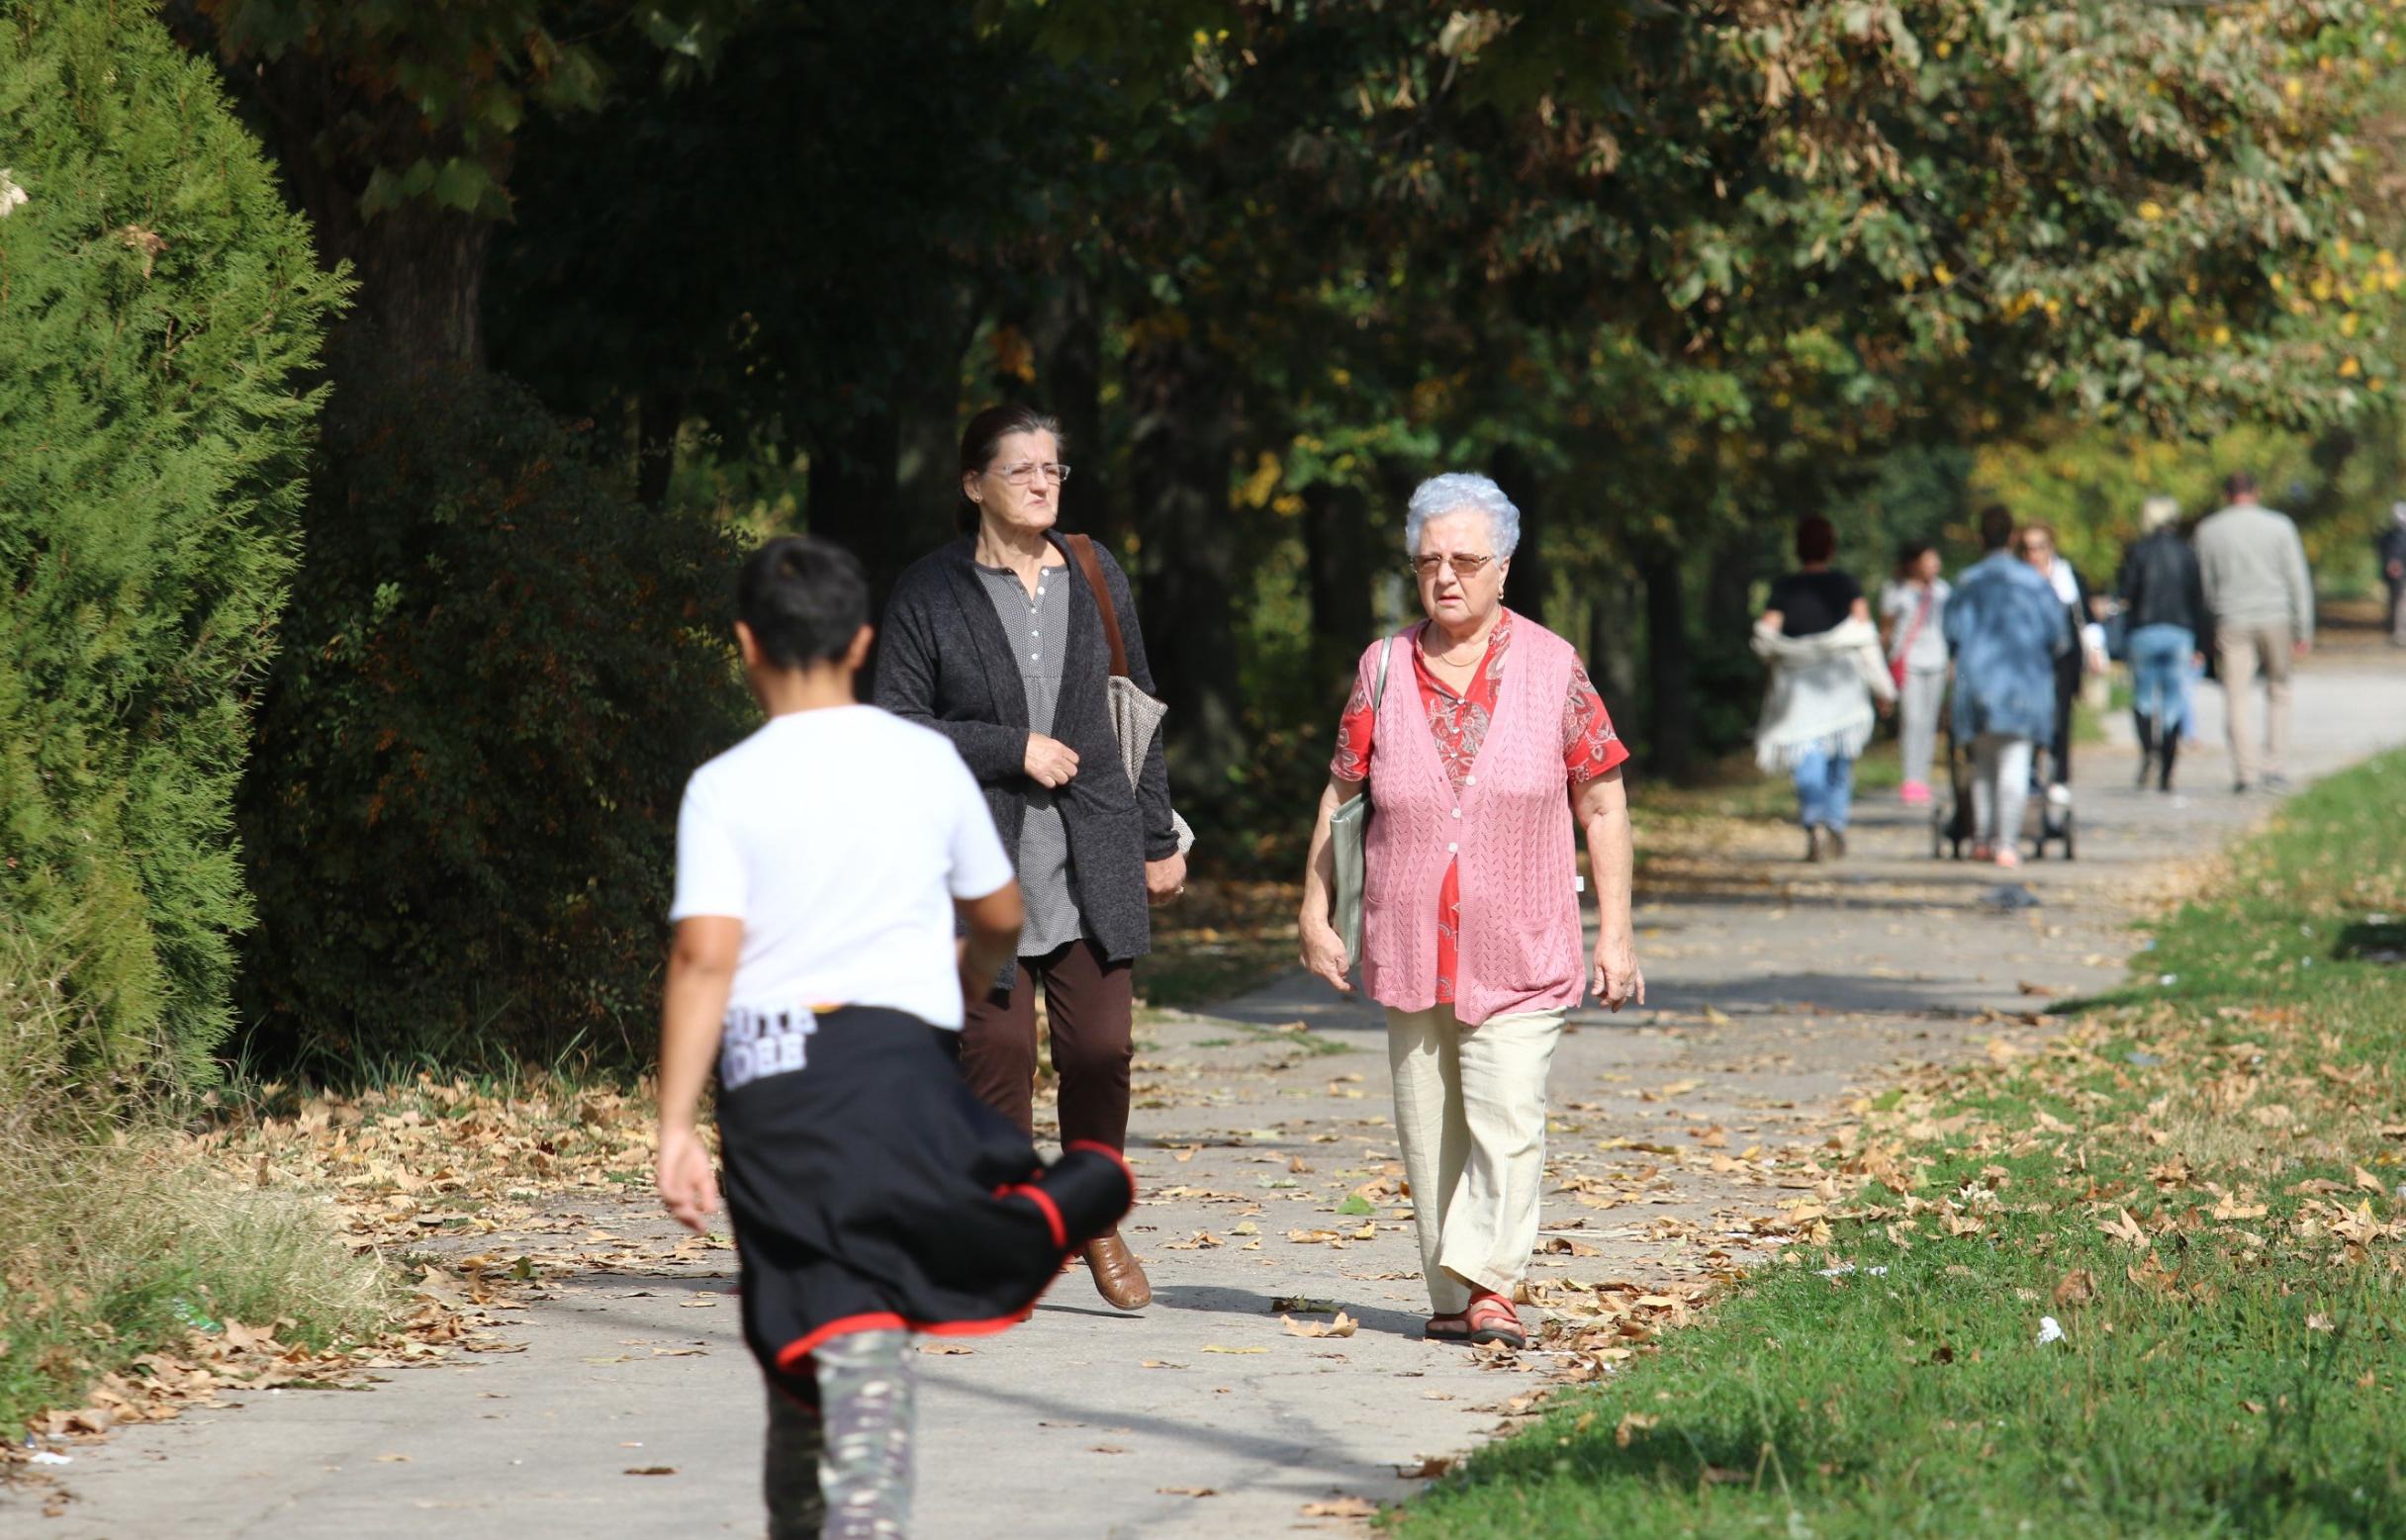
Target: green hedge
point(462, 814)
point(158, 307)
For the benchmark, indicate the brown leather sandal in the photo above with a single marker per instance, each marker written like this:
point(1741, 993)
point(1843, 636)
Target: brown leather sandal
point(1455, 1327)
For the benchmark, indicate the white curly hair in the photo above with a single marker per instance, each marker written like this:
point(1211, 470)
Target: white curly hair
point(1458, 492)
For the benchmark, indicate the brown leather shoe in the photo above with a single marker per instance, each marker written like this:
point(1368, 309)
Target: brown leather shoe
point(1118, 1277)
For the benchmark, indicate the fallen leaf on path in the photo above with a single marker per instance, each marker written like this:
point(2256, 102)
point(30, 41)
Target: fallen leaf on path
point(392, 1459)
point(1214, 1347)
point(1341, 1507)
point(1344, 1326)
point(651, 1470)
point(1186, 1491)
point(1429, 1468)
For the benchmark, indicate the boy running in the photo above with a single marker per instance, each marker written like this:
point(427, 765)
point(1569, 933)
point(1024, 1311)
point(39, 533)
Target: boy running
point(820, 865)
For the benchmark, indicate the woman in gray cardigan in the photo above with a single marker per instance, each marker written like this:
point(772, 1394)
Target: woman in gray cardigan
point(996, 641)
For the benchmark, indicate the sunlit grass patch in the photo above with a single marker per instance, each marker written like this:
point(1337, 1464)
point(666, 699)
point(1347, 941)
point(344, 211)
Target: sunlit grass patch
point(2199, 1185)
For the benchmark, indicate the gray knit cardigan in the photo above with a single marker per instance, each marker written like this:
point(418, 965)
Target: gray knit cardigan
point(944, 660)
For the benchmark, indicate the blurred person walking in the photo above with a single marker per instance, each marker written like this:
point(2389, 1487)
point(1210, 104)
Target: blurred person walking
point(2169, 628)
point(1912, 623)
point(2261, 597)
point(1002, 641)
point(2005, 628)
point(2389, 547)
point(2036, 545)
point(1827, 680)
point(1495, 754)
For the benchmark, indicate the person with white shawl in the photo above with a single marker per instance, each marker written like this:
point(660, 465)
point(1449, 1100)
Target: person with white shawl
point(1828, 678)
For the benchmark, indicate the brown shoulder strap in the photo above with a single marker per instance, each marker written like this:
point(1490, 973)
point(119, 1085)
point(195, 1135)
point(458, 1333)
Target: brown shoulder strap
point(1083, 547)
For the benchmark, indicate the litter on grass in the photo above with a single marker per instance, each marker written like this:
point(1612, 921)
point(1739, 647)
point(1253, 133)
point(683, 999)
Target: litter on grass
point(2048, 1331)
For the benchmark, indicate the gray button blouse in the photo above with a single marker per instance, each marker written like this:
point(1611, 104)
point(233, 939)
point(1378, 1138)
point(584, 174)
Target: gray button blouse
point(1038, 626)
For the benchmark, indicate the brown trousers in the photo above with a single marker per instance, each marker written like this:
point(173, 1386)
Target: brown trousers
point(1090, 1001)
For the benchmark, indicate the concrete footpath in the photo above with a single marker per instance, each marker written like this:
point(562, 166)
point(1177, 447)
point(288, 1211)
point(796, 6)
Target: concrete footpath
point(1777, 990)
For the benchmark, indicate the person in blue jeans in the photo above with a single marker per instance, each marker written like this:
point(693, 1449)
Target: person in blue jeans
point(2162, 599)
point(1828, 673)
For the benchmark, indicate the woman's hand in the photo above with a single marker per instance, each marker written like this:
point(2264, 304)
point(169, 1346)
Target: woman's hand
point(1049, 761)
point(1618, 982)
point(688, 1188)
point(1324, 952)
point(1165, 879)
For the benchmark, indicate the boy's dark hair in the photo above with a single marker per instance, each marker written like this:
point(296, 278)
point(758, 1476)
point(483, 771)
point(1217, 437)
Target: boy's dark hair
point(1995, 527)
point(804, 599)
point(2238, 484)
point(1817, 538)
point(1909, 553)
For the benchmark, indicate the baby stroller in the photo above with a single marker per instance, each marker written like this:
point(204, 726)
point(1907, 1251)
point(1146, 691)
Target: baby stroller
point(1954, 826)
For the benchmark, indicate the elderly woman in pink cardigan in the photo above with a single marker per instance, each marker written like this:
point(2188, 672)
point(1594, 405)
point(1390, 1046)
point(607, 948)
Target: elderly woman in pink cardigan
point(1484, 756)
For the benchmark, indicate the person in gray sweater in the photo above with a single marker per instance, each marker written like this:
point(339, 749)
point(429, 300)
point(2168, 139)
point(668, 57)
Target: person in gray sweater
point(2261, 595)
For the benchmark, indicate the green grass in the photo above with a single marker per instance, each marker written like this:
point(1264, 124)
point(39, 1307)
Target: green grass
point(2233, 1353)
point(117, 1237)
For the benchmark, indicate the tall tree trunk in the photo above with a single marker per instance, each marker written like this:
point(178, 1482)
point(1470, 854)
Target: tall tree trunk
point(1670, 710)
point(1181, 441)
point(420, 268)
point(1612, 639)
point(1338, 572)
point(1065, 330)
point(659, 414)
point(853, 499)
point(1531, 584)
point(927, 423)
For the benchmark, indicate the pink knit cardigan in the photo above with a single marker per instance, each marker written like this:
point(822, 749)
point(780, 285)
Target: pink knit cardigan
point(1522, 944)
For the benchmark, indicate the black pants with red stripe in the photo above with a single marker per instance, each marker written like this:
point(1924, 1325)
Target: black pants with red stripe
point(872, 1190)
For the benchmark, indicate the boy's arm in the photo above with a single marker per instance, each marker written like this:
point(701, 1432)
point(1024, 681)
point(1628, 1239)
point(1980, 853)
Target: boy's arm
point(702, 969)
point(990, 939)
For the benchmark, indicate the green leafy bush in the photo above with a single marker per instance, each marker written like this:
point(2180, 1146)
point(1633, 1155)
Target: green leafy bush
point(158, 307)
point(499, 671)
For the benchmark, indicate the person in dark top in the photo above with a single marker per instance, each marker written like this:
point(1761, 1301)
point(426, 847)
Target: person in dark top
point(2390, 546)
point(2167, 625)
point(1816, 597)
point(1827, 677)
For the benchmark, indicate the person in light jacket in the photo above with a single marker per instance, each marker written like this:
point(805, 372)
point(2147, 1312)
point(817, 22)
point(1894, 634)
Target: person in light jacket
point(2262, 595)
point(1912, 622)
point(1828, 678)
point(1485, 754)
point(2007, 628)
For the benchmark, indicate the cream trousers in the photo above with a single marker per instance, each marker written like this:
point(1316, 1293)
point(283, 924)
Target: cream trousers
point(1471, 1110)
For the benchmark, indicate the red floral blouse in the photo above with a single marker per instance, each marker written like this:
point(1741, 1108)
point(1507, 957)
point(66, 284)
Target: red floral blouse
point(1458, 723)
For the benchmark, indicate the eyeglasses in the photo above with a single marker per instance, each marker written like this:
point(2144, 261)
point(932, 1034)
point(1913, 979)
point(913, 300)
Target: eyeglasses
point(1027, 471)
point(1464, 567)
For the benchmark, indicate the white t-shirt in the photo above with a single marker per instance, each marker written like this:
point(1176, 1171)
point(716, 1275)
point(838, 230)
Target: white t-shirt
point(840, 838)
